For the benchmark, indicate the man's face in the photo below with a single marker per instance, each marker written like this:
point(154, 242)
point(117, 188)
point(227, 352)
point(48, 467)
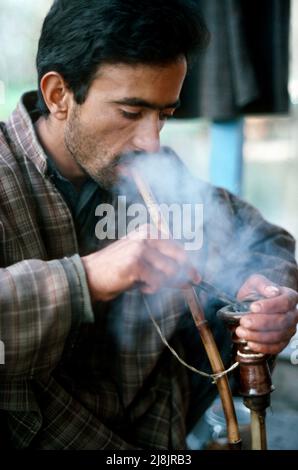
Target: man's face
point(125, 110)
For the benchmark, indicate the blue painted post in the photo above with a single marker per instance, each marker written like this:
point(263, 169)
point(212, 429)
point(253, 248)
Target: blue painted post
point(226, 159)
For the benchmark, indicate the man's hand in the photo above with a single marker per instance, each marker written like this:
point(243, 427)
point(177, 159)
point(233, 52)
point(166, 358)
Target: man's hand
point(137, 261)
point(274, 319)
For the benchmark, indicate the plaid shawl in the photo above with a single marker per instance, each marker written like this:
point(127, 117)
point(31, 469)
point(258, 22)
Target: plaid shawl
point(78, 377)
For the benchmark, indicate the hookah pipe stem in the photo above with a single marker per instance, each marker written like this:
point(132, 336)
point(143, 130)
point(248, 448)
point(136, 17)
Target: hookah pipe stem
point(258, 431)
point(199, 319)
point(225, 298)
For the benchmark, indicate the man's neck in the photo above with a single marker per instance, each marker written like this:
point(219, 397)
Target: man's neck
point(53, 144)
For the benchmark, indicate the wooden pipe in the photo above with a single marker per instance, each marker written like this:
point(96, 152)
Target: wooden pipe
point(199, 319)
point(254, 378)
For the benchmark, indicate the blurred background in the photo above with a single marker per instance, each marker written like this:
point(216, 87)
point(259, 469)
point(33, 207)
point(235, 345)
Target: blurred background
point(237, 127)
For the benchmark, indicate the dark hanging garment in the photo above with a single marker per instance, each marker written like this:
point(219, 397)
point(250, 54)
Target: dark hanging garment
point(245, 67)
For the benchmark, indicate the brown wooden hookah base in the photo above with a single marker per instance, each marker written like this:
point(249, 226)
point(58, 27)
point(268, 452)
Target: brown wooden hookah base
point(253, 376)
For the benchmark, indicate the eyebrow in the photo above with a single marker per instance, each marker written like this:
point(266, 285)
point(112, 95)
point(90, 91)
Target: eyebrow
point(146, 104)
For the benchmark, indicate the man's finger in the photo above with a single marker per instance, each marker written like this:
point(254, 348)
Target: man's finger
point(256, 280)
point(267, 348)
point(160, 262)
point(150, 279)
point(282, 303)
point(258, 284)
point(274, 322)
point(268, 337)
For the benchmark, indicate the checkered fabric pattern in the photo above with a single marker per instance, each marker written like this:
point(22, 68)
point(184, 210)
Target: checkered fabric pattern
point(78, 376)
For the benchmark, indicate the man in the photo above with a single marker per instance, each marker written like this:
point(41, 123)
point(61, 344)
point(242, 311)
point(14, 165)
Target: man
point(84, 365)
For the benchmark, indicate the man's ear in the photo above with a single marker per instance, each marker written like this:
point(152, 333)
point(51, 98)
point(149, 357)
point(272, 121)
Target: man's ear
point(56, 95)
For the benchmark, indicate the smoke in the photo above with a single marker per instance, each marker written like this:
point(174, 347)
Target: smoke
point(177, 201)
point(200, 216)
point(229, 248)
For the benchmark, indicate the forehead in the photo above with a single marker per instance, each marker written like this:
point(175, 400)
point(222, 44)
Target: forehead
point(142, 80)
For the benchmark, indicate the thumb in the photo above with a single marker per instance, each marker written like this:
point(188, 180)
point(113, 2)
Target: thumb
point(258, 284)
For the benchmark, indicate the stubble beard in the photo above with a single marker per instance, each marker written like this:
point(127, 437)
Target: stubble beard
point(92, 158)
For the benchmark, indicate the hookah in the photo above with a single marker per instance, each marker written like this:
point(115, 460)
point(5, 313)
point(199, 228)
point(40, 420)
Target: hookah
point(254, 375)
point(255, 385)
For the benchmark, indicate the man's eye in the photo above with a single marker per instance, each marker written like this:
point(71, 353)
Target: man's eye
point(128, 115)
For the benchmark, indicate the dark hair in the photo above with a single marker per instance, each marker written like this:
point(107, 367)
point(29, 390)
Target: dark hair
point(79, 35)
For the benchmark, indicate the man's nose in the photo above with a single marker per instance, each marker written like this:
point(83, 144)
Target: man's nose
point(147, 138)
